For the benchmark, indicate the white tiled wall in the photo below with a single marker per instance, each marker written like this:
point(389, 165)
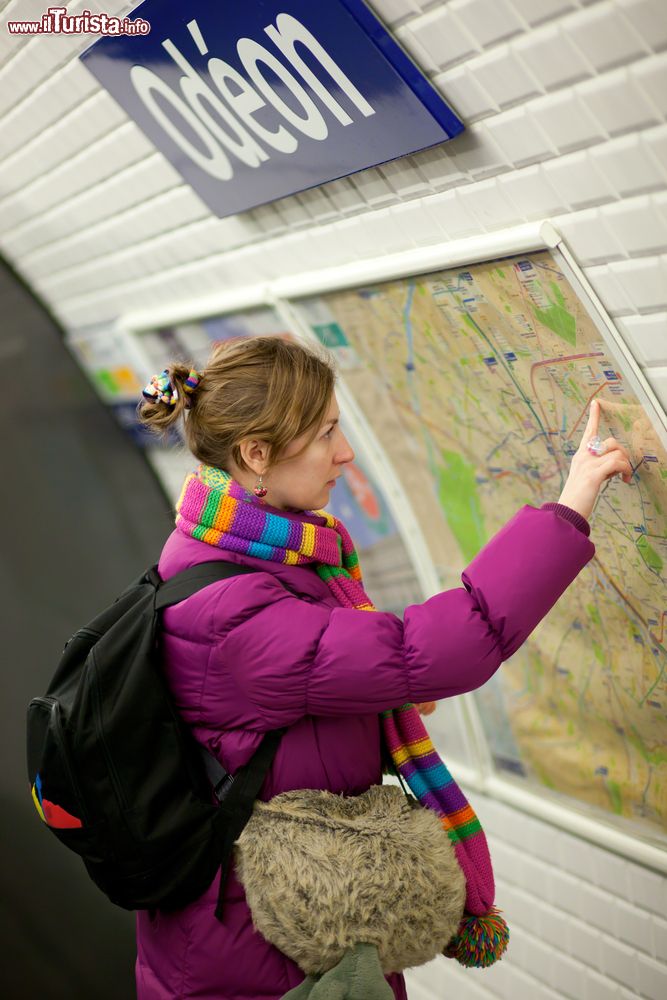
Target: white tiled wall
point(584, 923)
point(565, 103)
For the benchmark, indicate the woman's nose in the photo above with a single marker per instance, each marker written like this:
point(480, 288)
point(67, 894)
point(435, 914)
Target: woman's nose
point(347, 453)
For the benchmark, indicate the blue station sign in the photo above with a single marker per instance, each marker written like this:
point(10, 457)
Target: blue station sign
point(252, 100)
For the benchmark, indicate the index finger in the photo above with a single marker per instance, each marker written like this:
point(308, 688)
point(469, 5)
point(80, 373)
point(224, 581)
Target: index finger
point(593, 420)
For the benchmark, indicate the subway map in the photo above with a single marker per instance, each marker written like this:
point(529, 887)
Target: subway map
point(477, 383)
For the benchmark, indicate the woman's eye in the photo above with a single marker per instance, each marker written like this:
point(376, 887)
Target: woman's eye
point(328, 433)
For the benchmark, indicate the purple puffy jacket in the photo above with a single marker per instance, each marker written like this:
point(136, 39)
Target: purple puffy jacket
point(244, 655)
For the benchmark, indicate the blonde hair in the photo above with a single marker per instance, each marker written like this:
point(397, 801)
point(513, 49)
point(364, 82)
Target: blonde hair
point(261, 387)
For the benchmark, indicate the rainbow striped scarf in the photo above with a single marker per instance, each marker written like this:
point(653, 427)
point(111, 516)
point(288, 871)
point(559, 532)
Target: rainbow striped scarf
point(216, 509)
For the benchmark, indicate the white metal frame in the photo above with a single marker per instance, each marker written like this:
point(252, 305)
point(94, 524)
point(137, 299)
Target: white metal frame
point(280, 293)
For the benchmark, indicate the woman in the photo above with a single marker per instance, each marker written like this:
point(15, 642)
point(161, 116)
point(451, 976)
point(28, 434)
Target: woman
point(293, 645)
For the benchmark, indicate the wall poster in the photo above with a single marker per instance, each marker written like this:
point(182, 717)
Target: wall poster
point(102, 353)
point(477, 381)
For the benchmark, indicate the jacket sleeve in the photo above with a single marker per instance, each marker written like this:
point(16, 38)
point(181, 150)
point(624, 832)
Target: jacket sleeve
point(292, 658)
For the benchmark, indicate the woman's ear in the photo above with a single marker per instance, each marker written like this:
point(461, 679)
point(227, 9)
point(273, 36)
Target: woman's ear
point(255, 454)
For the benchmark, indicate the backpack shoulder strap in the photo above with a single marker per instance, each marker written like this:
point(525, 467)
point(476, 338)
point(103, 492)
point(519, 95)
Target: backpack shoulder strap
point(189, 581)
point(236, 794)
point(236, 804)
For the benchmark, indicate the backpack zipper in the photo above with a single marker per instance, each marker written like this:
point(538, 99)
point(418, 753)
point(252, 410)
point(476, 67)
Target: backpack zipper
point(113, 774)
point(54, 713)
point(83, 632)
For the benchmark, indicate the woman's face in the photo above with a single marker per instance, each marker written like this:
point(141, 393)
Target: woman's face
point(304, 482)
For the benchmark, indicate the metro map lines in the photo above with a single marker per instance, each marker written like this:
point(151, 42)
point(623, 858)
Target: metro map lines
point(477, 383)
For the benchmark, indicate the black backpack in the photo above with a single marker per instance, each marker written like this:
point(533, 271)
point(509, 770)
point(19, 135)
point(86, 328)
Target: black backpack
point(114, 770)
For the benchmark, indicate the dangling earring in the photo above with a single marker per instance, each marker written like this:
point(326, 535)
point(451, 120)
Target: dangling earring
point(259, 490)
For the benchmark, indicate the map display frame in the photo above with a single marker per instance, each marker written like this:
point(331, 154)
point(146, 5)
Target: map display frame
point(599, 784)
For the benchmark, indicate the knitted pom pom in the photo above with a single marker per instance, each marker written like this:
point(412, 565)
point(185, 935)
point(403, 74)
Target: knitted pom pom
point(479, 941)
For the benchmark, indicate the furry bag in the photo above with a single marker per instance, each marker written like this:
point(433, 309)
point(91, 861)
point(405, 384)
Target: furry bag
point(324, 872)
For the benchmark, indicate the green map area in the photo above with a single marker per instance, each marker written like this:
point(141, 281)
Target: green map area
point(477, 383)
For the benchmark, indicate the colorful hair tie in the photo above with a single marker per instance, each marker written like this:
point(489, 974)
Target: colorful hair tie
point(192, 381)
point(160, 390)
